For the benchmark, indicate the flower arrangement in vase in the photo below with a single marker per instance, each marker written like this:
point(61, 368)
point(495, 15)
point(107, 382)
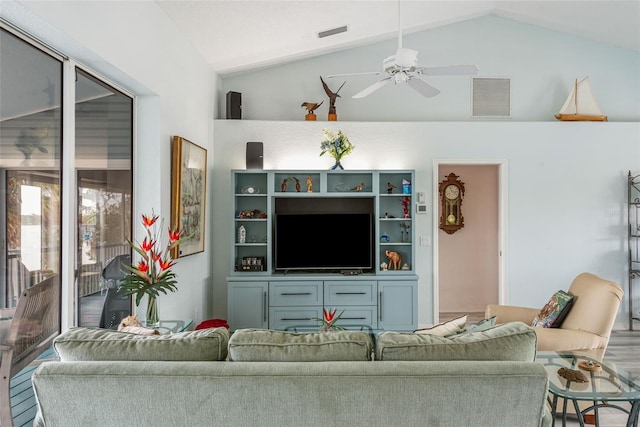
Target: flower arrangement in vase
point(329, 320)
point(337, 145)
point(153, 273)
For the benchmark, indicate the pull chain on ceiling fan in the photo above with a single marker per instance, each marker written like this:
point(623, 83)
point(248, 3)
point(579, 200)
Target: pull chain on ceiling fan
point(403, 68)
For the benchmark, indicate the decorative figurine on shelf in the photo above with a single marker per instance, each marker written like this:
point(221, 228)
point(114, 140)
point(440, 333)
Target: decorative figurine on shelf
point(405, 226)
point(394, 260)
point(358, 187)
point(311, 107)
point(406, 187)
point(283, 187)
point(384, 237)
point(242, 234)
point(390, 188)
point(405, 206)
point(297, 184)
point(333, 116)
point(383, 266)
point(309, 184)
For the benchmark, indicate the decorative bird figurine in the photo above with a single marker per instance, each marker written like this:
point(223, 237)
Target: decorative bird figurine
point(311, 106)
point(332, 98)
point(358, 187)
point(390, 188)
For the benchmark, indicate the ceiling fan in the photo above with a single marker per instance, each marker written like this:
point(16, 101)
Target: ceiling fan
point(403, 68)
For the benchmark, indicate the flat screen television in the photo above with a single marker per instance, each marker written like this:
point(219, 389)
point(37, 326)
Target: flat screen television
point(327, 241)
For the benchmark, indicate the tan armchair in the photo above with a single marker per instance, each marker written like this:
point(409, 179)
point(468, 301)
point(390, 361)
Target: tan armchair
point(587, 325)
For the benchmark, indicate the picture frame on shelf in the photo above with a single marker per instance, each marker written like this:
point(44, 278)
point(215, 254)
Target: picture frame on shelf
point(188, 194)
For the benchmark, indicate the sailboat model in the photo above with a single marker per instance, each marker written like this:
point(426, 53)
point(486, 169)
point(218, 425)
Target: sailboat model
point(581, 105)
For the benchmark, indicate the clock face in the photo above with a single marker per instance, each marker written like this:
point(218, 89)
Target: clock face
point(451, 192)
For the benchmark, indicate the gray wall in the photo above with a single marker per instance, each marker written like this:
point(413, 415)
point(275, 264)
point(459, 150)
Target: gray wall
point(566, 207)
point(541, 63)
point(566, 199)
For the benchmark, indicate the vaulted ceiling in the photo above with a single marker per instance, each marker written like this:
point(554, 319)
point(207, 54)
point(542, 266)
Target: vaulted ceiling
point(240, 35)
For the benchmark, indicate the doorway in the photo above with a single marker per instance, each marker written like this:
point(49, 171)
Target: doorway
point(469, 265)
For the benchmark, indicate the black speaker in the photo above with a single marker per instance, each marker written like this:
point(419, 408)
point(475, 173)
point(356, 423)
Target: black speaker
point(254, 155)
point(234, 105)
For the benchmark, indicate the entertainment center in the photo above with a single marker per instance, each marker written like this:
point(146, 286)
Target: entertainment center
point(307, 240)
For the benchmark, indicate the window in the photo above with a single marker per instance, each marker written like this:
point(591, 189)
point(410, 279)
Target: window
point(104, 132)
point(31, 164)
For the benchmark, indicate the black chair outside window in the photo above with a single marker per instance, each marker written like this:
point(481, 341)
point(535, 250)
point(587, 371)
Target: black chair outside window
point(116, 305)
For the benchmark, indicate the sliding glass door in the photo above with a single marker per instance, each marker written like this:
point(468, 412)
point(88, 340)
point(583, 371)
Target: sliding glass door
point(104, 132)
point(30, 166)
point(31, 187)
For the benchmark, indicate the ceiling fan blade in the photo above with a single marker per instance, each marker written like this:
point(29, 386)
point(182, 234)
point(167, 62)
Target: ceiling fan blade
point(422, 87)
point(377, 85)
point(370, 73)
point(450, 70)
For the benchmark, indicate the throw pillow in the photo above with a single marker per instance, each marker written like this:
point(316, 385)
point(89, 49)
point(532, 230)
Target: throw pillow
point(263, 345)
point(445, 328)
point(509, 341)
point(554, 311)
point(95, 344)
point(479, 326)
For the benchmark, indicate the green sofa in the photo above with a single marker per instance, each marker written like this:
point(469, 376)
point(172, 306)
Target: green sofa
point(273, 378)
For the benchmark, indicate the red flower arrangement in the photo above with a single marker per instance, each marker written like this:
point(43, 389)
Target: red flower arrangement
point(329, 320)
point(152, 274)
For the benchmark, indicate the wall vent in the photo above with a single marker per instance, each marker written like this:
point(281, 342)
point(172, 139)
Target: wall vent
point(491, 97)
point(332, 32)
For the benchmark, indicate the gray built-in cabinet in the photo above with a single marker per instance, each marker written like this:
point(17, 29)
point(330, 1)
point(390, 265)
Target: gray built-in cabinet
point(261, 296)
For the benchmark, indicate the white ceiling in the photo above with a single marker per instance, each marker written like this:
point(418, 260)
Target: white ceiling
point(240, 35)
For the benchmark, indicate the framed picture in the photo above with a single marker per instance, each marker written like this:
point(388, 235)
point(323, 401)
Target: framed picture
point(188, 190)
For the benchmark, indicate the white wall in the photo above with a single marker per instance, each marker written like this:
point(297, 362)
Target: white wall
point(566, 180)
point(566, 199)
point(541, 63)
point(136, 46)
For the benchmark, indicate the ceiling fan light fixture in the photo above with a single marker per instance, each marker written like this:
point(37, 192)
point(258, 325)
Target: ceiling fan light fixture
point(332, 32)
point(403, 68)
point(400, 77)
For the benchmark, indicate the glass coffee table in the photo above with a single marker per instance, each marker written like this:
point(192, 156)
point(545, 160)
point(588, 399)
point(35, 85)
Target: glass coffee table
point(171, 326)
point(607, 386)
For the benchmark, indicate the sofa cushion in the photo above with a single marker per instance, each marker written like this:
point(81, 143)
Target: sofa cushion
point(554, 311)
point(445, 328)
point(262, 345)
point(512, 341)
point(83, 344)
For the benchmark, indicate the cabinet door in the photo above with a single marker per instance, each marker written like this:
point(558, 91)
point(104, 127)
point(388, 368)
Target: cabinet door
point(398, 305)
point(344, 292)
point(293, 294)
point(303, 317)
point(247, 305)
point(358, 315)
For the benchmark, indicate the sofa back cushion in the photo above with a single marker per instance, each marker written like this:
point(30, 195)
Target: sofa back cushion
point(84, 344)
point(511, 341)
point(262, 345)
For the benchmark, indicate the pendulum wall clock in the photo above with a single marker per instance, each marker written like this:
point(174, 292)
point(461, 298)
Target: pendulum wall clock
point(451, 194)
